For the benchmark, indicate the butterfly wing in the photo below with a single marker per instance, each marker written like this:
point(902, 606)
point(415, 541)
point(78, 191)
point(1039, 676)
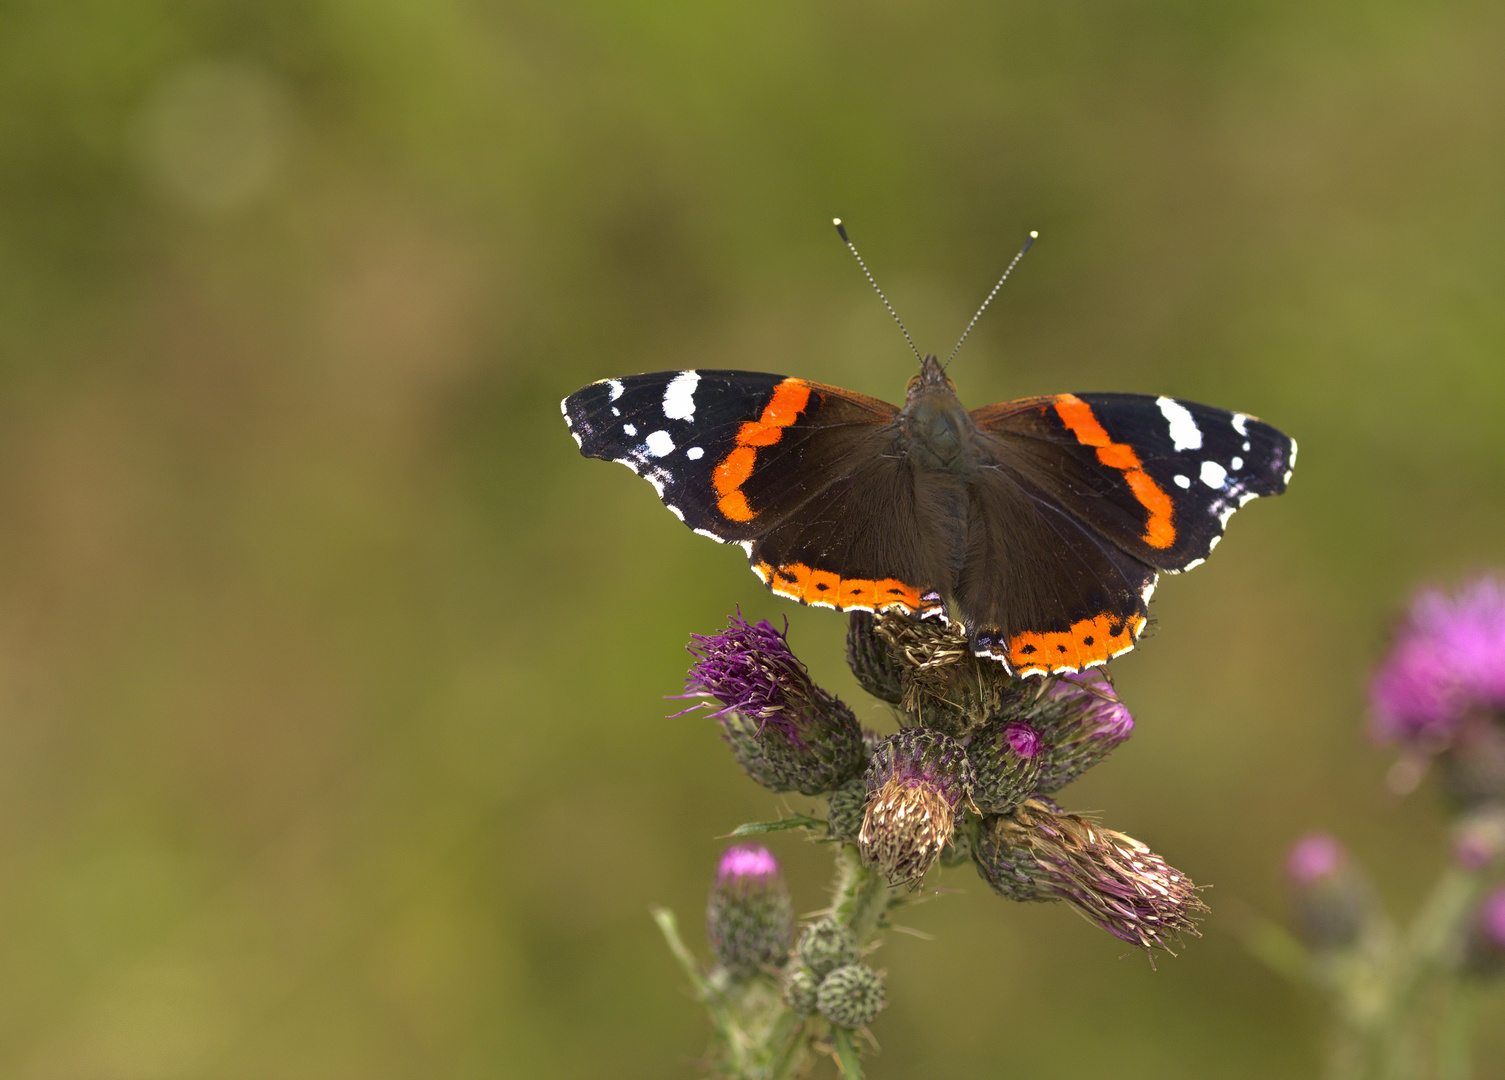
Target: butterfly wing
point(1082, 499)
point(802, 475)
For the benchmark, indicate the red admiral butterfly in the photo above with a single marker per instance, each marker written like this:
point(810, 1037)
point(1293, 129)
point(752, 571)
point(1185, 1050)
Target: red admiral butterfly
point(1042, 524)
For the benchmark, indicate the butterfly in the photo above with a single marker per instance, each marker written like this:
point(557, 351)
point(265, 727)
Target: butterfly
point(1041, 525)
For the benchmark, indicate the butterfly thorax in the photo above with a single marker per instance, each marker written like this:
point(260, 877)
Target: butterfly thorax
point(936, 425)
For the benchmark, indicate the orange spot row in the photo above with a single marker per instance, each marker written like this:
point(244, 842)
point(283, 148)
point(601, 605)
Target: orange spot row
point(1090, 641)
point(789, 399)
point(809, 586)
point(1076, 414)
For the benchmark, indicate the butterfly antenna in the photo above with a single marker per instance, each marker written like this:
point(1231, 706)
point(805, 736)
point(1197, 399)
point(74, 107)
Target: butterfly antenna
point(1013, 263)
point(842, 230)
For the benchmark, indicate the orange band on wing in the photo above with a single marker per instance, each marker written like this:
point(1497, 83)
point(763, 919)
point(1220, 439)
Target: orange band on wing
point(789, 400)
point(1077, 415)
point(810, 586)
point(1088, 642)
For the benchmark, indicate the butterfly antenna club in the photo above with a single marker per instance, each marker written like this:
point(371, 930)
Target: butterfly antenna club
point(1007, 271)
point(841, 231)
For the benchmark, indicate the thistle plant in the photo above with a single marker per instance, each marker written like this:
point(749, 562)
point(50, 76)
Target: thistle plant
point(968, 778)
point(1403, 998)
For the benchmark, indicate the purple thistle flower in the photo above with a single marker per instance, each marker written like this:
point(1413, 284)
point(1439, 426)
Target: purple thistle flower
point(1082, 722)
point(749, 917)
point(1037, 853)
point(787, 733)
point(1448, 658)
point(916, 782)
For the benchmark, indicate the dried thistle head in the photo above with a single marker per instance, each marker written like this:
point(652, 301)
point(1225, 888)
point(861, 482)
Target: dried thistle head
point(916, 783)
point(941, 684)
point(1039, 853)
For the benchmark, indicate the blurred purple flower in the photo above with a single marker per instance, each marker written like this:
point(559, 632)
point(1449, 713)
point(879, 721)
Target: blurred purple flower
point(1314, 857)
point(1448, 657)
point(1492, 917)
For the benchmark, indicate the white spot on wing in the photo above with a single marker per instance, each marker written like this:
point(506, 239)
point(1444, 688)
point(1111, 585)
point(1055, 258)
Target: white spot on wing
point(564, 409)
point(1213, 543)
point(712, 536)
point(631, 429)
point(1246, 446)
point(577, 440)
point(1213, 474)
point(659, 444)
point(679, 396)
point(616, 411)
point(695, 453)
point(1237, 463)
point(1185, 435)
point(1241, 424)
point(1183, 482)
point(616, 388)
point(746, 545)
point(675, 511)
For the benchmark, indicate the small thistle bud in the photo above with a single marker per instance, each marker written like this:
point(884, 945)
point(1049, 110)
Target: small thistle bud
point(800, 988)
point(1005, 758)
point(915, 782)
point(872, 660)
point(1038, 853)
point(749, 919)
point(1081, 721)
point(825, 946)
point(1331, 899)
point(851, 996)
point(845, 812)
point(1480, 838)
point(787, 733)
point(1484, 953)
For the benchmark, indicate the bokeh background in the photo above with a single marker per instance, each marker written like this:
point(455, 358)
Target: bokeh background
point(332, 731)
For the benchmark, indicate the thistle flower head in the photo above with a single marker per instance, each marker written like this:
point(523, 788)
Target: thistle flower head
point(787, 733)
point(1038, 853)
point(916, 781)
point(1448, 658)
point(1005, 756)
point(749, 917)
point(1081, 721)
point(1331, 898)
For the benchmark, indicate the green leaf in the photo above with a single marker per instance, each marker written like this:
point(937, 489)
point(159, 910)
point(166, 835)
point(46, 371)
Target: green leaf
point(797, 821)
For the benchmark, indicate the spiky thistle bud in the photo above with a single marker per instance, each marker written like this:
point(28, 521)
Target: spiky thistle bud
point(851, 996)
point(844, 814)
point(1081, 721)
point(749, 918)
point(825, 946)
point(800, 989)
point(916, 781)
point(787, 733)
point(872, 659)
point(1005, 756)
point(1331, 898)
point(1038, 853)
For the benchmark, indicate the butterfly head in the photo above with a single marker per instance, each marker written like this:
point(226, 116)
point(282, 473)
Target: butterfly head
point(932, 378)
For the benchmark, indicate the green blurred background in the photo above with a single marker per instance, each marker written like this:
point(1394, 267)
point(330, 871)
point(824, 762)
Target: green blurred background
point(333, 740)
